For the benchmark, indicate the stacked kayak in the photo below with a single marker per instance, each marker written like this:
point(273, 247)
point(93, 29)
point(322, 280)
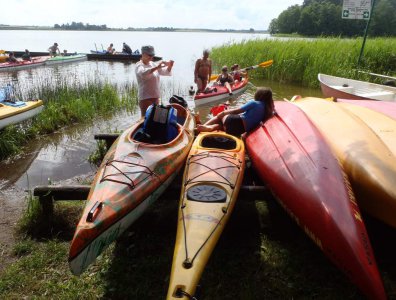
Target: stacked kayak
point(365, 144)
point(292, 156)
point(211, 183)
point(132, 176)
point(220, 92)
point(15, 112)
point(23, 64)
point(66, 59)
point(384, 107)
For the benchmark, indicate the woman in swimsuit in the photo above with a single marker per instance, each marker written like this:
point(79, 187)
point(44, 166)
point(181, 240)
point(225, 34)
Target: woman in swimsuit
point(225, 79)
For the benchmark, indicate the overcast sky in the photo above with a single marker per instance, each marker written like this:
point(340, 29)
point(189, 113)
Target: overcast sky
point(211, 14)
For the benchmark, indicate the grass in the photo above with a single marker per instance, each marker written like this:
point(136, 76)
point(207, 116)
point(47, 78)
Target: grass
point(262, 254)
point(300, 60)
point(67, 103)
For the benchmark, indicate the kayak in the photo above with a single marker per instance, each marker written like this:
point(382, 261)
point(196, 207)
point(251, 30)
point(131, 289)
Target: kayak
point(220, 92)
point(23, 64)
point(66, 59)
point(384, 107)
point(16, 112)
point(211, 183)
point(131, 177)
point(292, 157)
point(117, 56)
point(339, 87)
point(363, 151)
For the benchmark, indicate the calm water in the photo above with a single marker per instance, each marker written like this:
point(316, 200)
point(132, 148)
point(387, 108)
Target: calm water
point(64, 154)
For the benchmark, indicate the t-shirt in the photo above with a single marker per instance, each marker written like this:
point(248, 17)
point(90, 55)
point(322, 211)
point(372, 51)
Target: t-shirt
point(253, 114)
point(149, 83)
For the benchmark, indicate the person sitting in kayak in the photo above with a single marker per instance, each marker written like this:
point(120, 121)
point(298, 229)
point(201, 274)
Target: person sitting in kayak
point(26, 56)
point(225, 79)
point(237, 121)
point(110, 49)
point(237, 73)
point(11, 58)
point(202, 71)
point(54, 50)
point(126, 49)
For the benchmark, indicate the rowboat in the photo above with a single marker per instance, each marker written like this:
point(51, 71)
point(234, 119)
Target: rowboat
point(66, 59)
point(384, 107)
point(293, 158)
point(339, 87)
point(211, 183)
point(131, 177)
point(16, 112)
point(23, 64)
point(221, 92)
point(365, 146)
point(118, 57)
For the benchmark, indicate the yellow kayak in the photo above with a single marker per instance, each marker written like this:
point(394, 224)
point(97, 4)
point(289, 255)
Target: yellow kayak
point(212, 179)
point(15, 112)
point(364, 142)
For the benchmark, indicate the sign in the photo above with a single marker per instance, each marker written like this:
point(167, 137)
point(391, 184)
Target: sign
point(356, 9)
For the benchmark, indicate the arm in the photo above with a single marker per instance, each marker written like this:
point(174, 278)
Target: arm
point(234, 111)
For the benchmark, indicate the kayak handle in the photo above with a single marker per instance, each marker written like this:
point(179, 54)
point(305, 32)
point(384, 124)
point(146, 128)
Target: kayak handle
point(97, 205)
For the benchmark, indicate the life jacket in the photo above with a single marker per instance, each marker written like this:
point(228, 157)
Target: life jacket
point(160, 123)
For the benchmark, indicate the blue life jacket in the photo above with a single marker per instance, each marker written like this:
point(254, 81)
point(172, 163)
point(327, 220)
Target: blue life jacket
point(160, 123)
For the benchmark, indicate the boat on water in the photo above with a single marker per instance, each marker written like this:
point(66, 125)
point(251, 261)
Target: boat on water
point(384, 107)
point(18, 111)
point(117, 56)
point(24, 64)
point(211, 182)
point(220, 93)
point(62, 59)
point(364, 143)
point(339, 87)
point(132, 176)
point(293, 158)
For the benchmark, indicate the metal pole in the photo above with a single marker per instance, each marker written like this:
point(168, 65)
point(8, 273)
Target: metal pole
point(365, 33)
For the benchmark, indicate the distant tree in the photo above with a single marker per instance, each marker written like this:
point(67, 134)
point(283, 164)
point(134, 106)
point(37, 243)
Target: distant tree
point(57, 26)
point(383, 19)
point(288, 19)
point(273, 26)
point(251, 29)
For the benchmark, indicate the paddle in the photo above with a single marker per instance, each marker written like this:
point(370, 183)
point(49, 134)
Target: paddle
point(262, 65)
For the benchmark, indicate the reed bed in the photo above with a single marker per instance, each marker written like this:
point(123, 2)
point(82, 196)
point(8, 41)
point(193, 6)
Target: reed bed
point(66, 102)
point(299, 60)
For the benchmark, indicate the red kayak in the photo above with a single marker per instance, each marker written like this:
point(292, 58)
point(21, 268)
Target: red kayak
point(23, 64)
point(384, 107)
point(291, 155)
point(220, 92)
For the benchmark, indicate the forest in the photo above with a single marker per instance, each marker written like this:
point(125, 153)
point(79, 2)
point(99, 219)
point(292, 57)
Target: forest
point(323, 18)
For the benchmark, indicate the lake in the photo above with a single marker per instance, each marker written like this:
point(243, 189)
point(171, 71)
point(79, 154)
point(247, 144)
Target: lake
point(62, 155)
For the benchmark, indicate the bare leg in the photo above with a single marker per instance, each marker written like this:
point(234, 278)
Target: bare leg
point(144, 104)
point(209, 128)
point(228, 87)
point(199, 83)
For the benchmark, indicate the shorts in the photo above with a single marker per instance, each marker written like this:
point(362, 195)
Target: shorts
point(234, 125)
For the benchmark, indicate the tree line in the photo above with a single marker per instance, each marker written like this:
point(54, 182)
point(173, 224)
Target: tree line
point(323, 17)
point(80, 26)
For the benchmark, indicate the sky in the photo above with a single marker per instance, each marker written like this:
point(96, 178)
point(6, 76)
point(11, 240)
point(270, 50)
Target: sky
point(209, 14)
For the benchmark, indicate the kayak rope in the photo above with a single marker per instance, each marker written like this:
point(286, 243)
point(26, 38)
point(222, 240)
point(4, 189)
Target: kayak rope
point(229, 158)
point(180, 293)
point(131, 183)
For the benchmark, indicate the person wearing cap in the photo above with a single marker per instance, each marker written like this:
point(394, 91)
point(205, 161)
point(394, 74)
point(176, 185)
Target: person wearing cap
point(225, 79)
point(203, 71)
point(148, 77)
point(126, 49)
point(54, 50)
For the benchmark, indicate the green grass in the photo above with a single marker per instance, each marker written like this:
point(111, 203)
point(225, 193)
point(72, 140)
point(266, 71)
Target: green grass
point(300, 60)
point(262, 254)
point(67, 103)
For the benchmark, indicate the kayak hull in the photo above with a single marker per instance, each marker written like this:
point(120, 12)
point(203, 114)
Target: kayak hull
point(384, 107)
point(202, 217)
point(12, 115)
point(292, 156)
point(24, 64)
point(132, 177)
point(65, 59)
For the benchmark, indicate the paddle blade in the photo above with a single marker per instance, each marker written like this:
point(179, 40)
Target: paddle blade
point(266, 63)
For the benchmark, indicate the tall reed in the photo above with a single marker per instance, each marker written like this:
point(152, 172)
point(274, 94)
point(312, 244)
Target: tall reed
point(299, 60)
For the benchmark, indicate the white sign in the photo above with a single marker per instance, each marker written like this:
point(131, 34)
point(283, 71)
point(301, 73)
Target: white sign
point(356, 9)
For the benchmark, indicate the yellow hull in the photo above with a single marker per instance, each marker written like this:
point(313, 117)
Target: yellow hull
point(204, 213)
point(11, 115)
point(365, 144)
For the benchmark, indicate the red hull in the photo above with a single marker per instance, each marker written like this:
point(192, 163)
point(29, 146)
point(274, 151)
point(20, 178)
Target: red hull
point(291, 155)
point(222, 91)
point(386, 108)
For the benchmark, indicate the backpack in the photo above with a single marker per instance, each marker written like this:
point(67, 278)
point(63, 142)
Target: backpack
point(160, 124)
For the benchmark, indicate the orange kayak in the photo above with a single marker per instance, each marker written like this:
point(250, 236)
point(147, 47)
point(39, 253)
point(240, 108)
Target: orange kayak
point(132, 176)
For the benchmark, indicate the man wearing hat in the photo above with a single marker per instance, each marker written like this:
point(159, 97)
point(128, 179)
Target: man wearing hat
point(54, 50)
point(148, 77)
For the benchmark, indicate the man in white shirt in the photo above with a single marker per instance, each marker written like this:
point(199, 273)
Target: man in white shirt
point(148, 77)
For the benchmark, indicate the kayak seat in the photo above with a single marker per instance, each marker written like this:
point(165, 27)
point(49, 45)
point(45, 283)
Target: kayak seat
point(218, 142)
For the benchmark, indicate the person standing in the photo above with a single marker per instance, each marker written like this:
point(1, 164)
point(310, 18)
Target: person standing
point(54, 50)
point(148, 77)
point(203, 71)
